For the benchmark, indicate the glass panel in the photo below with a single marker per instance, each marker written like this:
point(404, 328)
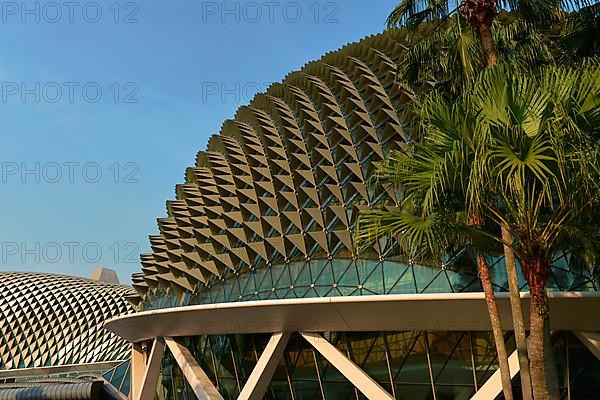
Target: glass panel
point(474, 286)
point(233, 289)
point(409, 358)
point(405, 283)
point(281, 277)
point(325, 290)
point(454, 392)
point(392, 271)
point(498, 272)
point(320, 271)
point(243, 353)
point(345, 275)
point(560, 360)
point(119, 377)
point(424, 275)
point(484, 354)
point(370, 353)
point(335, 385)
point(263, 280)
point(414, 392)
point(440, 284)
point(459, 281)
point(124, 387)
point(246, 283)
point(335, 390)
point(300, 362)
point(372, 277)
point(300, 274)
point(171, 383)
point(451, 358)
point(584, 370)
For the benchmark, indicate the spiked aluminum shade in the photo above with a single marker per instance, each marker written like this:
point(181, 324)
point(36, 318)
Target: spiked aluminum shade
point(284, 179)
point(55, 320)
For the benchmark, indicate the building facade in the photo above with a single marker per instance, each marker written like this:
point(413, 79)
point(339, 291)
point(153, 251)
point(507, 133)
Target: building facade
point(255, 287)
point(51, 330)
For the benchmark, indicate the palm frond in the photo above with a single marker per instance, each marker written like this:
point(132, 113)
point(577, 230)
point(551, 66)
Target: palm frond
point(411, 13)
point(538, 11)
point(448, 55)
point(581, 33)
point(420, 237)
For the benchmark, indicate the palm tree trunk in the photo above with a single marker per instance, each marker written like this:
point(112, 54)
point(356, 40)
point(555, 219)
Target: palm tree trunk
point(538, 319)
point(480, 14)
point(490, 299)
point(517, 314)
point(551, 372)
point(485, 35)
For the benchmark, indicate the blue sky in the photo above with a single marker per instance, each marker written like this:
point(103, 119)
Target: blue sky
point(104, 104)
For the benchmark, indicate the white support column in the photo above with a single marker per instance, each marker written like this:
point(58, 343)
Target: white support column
point(493, 386)
point(591, 340)
point(363, 382)
point(148, 384)
point(261, 375)
point(138, 367)
point(196, 377)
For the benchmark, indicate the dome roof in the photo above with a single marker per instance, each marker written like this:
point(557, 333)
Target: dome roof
point(268, 210)
point(284, 180)
point(53, 320)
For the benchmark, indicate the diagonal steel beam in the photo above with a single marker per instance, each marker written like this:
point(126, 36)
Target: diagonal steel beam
point(261, 375)
point(194, 374)
point(493, 386)
point(591, 340)
point(363, 382)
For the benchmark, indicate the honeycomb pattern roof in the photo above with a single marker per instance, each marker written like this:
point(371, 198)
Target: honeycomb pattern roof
point(284, 179)
point(52, 320)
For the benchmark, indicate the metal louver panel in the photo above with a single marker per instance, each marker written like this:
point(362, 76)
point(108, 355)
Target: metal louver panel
point(54, 320)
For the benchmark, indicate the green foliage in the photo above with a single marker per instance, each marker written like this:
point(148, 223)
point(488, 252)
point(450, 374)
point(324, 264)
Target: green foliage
point(449, 56)
point(517, 149)
point(524, 33)
point(541, 150)
point(580, 34)
point(412, 13)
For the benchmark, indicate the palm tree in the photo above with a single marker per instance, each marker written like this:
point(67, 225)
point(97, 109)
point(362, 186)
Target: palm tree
point(529, 150)
point(480, 14)
point(461, 59)
point(447, 56)
point(541, 160)
point(432, 218)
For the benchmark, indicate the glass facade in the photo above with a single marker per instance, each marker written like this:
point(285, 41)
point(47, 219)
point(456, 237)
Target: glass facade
point(119, 376)
point(409, 365)
point(578, 368)
point(347, 277)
